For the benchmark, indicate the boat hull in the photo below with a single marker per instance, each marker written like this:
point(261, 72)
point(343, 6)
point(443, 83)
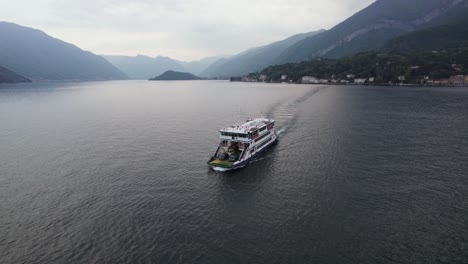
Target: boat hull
point(244, 163)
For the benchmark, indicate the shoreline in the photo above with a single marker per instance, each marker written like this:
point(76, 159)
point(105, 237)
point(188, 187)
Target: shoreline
point(367, 84)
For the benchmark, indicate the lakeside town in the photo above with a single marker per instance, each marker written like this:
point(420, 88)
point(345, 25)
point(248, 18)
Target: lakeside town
point(445, 67)
point(457, 80)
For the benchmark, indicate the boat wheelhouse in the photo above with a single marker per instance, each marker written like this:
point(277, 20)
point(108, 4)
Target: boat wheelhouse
point(240, 143)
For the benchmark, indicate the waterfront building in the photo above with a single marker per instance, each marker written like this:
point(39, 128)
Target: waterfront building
point(442, 82)
point(457, 80)
point(248, 79)
point(309, 79)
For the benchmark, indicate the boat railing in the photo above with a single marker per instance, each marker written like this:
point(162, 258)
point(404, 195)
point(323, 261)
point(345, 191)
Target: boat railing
point(216, 153)
point(243, 153)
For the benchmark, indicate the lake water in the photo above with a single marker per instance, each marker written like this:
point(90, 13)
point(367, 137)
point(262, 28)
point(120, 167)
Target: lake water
point(115, 172)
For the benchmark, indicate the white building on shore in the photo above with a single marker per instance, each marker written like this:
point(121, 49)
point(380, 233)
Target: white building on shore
point(309, 79)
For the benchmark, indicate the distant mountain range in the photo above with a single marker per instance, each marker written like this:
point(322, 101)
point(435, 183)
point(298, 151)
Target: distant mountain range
point(175, 76)
point(254, 59)
point(197, 67)
point(38, 56)
point(370, 29)
point(7, 76)
point(143, 67)
point(385, 25)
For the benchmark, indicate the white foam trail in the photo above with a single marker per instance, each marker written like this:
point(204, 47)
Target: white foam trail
point(220, 169)
point(282, 130)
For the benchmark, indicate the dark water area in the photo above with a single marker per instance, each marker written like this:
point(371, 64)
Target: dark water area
point(115, 172)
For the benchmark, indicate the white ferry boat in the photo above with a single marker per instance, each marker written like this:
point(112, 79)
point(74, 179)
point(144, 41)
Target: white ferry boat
point(240, 143)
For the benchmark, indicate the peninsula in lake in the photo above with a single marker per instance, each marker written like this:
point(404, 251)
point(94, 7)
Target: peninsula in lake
point(175, 76)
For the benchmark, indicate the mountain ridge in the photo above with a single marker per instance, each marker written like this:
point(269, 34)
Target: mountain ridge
point(253, 59)
point(8, 76)
point(387, 19)
point(34, 54)
point(451, 35)
point(144, 67)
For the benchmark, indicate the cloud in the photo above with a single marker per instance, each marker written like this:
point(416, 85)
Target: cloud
point(177, 28)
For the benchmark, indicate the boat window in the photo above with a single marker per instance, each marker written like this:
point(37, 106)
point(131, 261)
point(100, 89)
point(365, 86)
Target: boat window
point(264, 143)
point(228, 134)
point(262, 137)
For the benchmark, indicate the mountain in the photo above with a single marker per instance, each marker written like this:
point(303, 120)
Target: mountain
point(451, 35)
point(212, 68)
point(372, 27)
point(143, 67)
point(38, 56)
point(7, 76)
point(175, 76)
point(197, 67)
point(253, 59)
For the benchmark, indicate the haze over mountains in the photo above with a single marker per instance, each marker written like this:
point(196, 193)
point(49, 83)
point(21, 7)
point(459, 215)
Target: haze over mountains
point(38, 56)
point(143, 67)
point(387, 25)
point(370, 29)
point(254, 59)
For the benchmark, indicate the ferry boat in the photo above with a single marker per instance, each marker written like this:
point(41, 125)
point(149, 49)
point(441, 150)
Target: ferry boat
point(241, 143)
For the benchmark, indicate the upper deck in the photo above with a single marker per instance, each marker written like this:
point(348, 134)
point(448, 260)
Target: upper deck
point(246, 130)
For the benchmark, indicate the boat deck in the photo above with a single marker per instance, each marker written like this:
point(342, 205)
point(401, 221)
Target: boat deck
point(221, 163)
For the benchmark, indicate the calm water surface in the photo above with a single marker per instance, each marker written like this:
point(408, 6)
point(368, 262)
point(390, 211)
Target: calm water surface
point(115, 172)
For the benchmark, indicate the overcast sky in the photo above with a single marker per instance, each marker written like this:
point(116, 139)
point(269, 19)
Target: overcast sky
point(181, 29)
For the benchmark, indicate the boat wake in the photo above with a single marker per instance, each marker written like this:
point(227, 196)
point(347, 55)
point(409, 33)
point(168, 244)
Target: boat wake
point(285, 112)
point(285, 115)
point(282, 130)
point(220, 169)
